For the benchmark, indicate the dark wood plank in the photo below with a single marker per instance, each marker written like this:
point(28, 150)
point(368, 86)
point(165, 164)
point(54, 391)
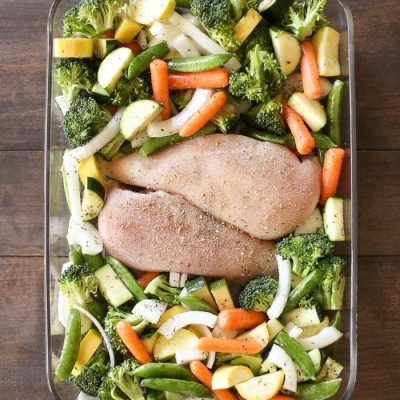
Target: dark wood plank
point(22, 329)
point(21, 203)
point(377, 74)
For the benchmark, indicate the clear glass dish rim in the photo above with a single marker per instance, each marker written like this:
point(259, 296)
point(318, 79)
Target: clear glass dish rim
point(353, 188)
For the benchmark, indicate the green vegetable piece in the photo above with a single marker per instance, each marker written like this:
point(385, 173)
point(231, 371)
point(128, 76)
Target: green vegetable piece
point(152, 395)
point(337, 323)
point(183, 3)
point(127, 148)
point(297, 353)
point(141, 62)
point(334, 111)
point(318, 391)
point(70, 349)
point(155, 144)
point(98, 309)
point(305, 287)
point(127, 278)
point(164, 370)
point(198, 64)
point(94, 261)
point(160, 288)
point(195, 304)
point(321, 155)
point(111, 149)
point(185, 388)
point(263, 136)
point(76, 257)
point(322, 141)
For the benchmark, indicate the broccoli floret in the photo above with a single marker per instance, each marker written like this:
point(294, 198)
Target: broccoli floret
point(333, 283)
point(305, 17)
point(260, 36)
point(304, 251)
point(218, 18)
point(91, 18)
point(73, 75)
point(308, 301)
point(225, 120)
point(84, 120)
point(160, 288)
point(78, 283)
point(258, 293)
point(92, 374)
point(261, 80)
point(181, 98)
point(120, 383)
point(111, 320)
point(266, 116)
point(128, 90)
point(112, 148)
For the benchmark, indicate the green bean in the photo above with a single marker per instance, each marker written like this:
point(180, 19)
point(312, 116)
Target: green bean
point(127, 278)
point(98, 309)
point(164, 370)
point(334, 111)
point(318, 391)
point(94, 261)
point(75, 256)
point(323, 141)
point(297, 353)
point(157, 143)
point(264, 136)
point(199, 64)
point(141, 62)
point(70, 349)
point(306, 286)
point(195, 304)
point(183, 3)
point(185, 388)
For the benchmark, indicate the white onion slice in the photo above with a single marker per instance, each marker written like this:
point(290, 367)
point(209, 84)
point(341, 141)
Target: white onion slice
point(184, 46)
point(150, 310)
point(174, 124)
point(72, 185)
point(101, 139)
point(85, 235)
point(63, 104)
point(322, 339)
point(171, 326)
point(142, 39)
point(167, 32)
point(185, 356)
point(281, 359)
point(102, 332)
point(293, 330)
point(174, 279)
point(282, 294)
point(183, 280)
point(84, 396)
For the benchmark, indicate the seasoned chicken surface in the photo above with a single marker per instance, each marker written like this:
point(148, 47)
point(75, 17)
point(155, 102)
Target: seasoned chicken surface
point(259, 187)
point(162, 232)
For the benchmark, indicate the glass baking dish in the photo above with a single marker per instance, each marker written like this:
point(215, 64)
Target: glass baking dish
point(57, 214)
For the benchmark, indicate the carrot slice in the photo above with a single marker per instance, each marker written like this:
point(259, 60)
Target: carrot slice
point(213, 79)
point(223, 345)
point(202, 116)
point(133, 342)
point(238, 319)
point(159, 82)
point(309, 71)
point(305, 143)
point(204, 375)
point(146, 278)
point(331, 170)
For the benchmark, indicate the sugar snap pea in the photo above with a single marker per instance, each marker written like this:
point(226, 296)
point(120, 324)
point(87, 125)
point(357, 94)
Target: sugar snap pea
point(142, 61)
point(265, 136)
point(70, 349)
point(164, 370)
point(198, 64)
point(306, 286)
point(195, 304)
point(186, 388)
point(93, 261)
point(157, 143)
point(127, 278)
point(296, 353)
point(318, 391)
point(323, 141)
point(334, 111)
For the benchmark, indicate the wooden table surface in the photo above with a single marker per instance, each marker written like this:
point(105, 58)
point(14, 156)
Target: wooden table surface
point(22, 103)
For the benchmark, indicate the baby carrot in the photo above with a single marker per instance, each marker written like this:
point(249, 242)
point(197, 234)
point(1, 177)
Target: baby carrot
point(305, 143)
point(204, 375)
point(159, 82)
point(223, 345)
point(146, 278)
point(309, 71)
point(133, 342)
point(331, 170)
point(213, 79)
point(204, 115)
point(238, 318)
